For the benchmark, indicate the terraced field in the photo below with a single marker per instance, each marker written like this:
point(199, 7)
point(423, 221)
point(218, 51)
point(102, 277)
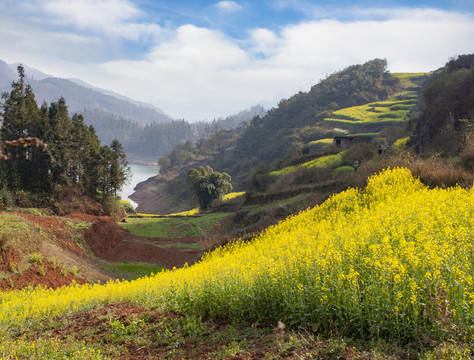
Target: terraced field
point(373, 116)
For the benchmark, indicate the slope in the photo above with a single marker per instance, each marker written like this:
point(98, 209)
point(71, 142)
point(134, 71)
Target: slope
point(325, 270)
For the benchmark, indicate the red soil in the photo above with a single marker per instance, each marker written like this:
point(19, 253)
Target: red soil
point(50, 276)
point(107, 240)
point(110, 242)
point(78, 327)
point(56, 228)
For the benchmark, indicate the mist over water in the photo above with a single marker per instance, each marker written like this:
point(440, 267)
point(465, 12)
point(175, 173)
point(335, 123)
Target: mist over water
point(139, 173)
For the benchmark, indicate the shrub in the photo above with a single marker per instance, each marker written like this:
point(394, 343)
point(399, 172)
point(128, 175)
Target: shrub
point(113, 207)
point(22, 199)
point(467, 153)
point(343, 170)
point(6, 198)
point(35, 258)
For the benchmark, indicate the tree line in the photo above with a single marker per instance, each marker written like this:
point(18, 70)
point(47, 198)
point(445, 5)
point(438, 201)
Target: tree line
point(74, 156)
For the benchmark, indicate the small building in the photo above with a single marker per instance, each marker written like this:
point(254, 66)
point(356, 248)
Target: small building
point(347, 141)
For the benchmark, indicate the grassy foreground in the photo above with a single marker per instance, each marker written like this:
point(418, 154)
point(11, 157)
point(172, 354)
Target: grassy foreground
point(392, 263)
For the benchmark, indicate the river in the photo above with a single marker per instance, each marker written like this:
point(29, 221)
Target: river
point(139, 173)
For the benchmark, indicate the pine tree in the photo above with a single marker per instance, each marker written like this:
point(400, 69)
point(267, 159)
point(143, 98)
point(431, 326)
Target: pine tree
point(74, 157)
point(119, 171)
point(20, 114)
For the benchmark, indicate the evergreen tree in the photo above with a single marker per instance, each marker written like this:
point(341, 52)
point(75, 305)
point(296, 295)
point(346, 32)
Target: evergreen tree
point(119, 171)
point(79, 159)
point(20, 113)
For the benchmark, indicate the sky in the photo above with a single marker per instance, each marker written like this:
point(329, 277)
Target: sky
point(201, 60)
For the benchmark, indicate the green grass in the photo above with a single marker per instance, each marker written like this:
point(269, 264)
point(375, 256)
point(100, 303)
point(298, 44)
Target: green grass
point(132, 270)
point(323, 161)
point(187, 247)
point(343, 170)
point(297, 202)
point(20, 233)
point(368, 134)
point(173, 227)
point(411, 79)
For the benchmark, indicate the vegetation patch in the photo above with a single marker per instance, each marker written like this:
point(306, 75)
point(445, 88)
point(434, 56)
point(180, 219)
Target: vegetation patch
point(130, 331)
point(129, 270)
point(317, 270)
point(189, 247)
point(173, 227)
point(232, 195)
point(343, 170)
point(323, 161)
point(376, 114)
point(326, 141)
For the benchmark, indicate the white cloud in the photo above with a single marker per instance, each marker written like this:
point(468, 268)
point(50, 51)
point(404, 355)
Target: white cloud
point(112, 17)
point(228, 6)
point(87, 14)
point(199, 48)
point(199, 73)
point(263, 41)
point(219, 75)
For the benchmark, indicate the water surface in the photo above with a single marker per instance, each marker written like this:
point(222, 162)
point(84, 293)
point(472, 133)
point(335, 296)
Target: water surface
point(139, 173)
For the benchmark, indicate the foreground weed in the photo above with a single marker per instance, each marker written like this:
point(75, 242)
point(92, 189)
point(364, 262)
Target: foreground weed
point(49, 349)
point(35, 258)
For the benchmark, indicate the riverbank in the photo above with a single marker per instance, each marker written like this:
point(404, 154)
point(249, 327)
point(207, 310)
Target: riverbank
point(139, 173)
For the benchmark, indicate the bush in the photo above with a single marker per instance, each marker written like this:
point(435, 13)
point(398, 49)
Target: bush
point(22, 199)
point(6, 198)
point(343, 170)
point(467, 154)
point(433, 172)
point(113, 207)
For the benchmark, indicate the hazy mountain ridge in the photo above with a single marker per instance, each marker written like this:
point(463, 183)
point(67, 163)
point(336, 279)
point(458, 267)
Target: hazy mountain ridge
point(143, 129)
point(81, 96)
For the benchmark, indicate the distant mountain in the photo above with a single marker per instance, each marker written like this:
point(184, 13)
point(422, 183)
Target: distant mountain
point(81, 96)
point(7, 76)
point(31, 72)
point(145, 132)
point(118, 96)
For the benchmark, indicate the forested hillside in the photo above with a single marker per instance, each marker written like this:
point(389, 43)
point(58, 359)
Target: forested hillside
point(448, 108)
point(144, 131)
point(281, 136)
point(360, 118)
point(55, 151)
point(82, 97)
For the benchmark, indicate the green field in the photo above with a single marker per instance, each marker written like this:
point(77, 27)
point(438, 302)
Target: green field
point(173, 227)
point(382, 112)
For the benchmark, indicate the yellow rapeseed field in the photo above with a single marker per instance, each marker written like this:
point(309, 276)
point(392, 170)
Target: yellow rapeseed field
point(376, 263)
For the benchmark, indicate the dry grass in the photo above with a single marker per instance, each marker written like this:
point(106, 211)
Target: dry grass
point(434, 172)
